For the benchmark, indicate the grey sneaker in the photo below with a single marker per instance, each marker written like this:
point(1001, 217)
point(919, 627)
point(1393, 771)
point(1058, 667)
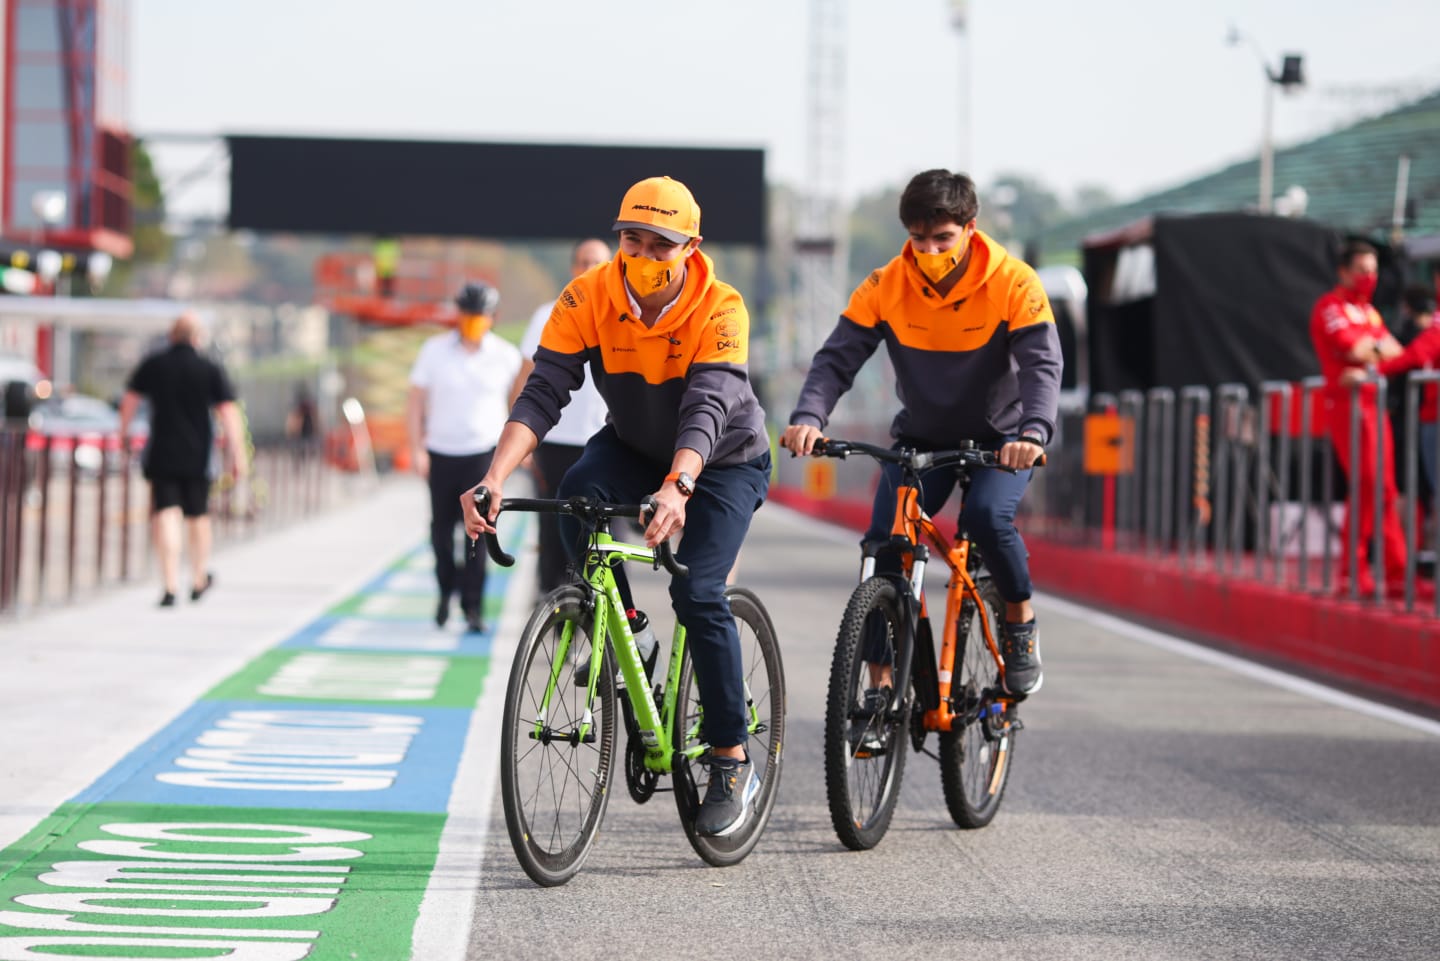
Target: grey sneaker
point(733, 786)
point(867, 734)
point(1020, 647)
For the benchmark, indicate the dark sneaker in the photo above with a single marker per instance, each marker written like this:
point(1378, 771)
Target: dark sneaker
point(474, 623)
point(733, 786)
point(867, 735)
point(198, 591)
point(1020, 647)
point(442, 610)
point(167, 599)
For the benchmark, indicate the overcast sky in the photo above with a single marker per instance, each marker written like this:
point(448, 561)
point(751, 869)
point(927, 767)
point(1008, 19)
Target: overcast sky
point(1132, 95)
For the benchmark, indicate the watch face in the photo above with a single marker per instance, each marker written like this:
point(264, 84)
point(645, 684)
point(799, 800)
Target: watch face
point(685, 484)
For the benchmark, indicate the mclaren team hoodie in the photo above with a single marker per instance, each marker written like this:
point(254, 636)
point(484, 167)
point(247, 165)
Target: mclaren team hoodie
point(978, 364)
point(681, 383)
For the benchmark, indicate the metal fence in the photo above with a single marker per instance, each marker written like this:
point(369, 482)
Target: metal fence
point(75, 511)
point(1245, 485)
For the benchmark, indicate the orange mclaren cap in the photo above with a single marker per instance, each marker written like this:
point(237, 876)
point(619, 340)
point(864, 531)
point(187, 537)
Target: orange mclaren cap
point(662, 205)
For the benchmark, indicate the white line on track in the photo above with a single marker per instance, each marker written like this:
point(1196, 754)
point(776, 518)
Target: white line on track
point(1169, 642)
point(442, 932)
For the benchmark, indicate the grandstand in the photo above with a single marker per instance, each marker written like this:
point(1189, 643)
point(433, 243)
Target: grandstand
point(1349, 178)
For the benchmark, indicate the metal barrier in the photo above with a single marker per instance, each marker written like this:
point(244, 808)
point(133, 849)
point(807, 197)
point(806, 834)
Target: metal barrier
point(74, 512)
point(1232, 489)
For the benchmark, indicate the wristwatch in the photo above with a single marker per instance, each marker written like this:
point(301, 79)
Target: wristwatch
point(684, 483)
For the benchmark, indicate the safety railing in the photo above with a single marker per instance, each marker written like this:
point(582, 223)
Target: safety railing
point(75, 511)
point(1248, 484)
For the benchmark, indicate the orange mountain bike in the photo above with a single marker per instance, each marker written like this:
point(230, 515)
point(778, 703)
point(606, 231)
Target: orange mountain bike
point(887, 686)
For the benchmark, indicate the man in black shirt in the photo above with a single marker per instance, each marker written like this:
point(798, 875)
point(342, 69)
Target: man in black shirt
point(182, 387)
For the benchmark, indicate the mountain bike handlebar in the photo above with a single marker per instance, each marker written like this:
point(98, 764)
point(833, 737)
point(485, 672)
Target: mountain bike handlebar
point(917, 460)
point(588, 512)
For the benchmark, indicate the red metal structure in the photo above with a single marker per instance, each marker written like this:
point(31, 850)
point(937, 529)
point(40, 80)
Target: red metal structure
point(65, 131)
point(422, 290)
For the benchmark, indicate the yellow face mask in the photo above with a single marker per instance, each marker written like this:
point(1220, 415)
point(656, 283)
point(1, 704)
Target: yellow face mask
point(647, 276)
point(936, 266)
point(473, 326)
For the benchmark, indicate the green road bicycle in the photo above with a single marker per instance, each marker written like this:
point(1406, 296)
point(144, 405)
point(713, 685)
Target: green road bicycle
point(577, 672)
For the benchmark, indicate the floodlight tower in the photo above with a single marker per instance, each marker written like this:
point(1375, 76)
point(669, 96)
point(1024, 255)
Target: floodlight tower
point(821, 240)
point(1290, 76)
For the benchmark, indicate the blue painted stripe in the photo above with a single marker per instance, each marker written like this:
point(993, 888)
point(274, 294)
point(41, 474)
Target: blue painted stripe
point(309, 756)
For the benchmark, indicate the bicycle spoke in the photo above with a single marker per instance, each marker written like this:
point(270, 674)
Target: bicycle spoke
point(552, 782)
point(971, 757)
point(865, 744)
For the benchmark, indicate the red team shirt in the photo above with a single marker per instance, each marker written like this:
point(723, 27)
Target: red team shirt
point(1336, 324)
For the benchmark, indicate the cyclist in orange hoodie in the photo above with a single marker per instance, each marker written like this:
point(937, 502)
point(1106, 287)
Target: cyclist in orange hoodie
point(977, 357)
point(666, 343)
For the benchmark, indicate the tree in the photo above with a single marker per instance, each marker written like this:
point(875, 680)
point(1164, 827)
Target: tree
point(1017, 207)
point(152, 243)
point(876, 233)
point(1090, 198)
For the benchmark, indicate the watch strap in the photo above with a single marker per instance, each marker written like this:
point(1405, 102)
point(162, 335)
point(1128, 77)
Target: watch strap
point(684, 483)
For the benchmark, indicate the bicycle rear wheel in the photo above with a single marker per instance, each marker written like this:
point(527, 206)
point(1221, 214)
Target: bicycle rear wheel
point(555, 783)
point(765, 687)
point(865, 745)
point(976, 754)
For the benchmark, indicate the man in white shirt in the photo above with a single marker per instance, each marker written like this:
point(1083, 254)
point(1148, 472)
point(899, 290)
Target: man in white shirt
point(458, 403)
point(580, 419)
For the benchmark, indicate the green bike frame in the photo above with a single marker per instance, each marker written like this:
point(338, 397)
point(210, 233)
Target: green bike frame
point(657, 727)
point(608, 621)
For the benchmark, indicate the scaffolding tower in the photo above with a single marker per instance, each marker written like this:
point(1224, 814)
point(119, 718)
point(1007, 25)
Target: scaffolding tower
point(821, 238)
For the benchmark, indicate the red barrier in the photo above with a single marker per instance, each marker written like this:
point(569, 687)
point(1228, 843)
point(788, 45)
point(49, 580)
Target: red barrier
point(61, 521)
point(1382, 647)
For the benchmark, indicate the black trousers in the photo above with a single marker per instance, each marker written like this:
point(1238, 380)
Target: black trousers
point(551, 463)
point(451, 476)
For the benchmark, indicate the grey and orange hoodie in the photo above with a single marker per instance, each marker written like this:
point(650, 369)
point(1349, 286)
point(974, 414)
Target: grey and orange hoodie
point(681, 383)
point(978, 364)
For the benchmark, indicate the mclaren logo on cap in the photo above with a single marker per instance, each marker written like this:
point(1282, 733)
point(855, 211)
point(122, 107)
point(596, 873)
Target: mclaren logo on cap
point(654, 210)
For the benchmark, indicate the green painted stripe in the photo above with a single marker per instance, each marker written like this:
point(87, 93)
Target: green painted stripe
point(342, 677)
point(336, 886)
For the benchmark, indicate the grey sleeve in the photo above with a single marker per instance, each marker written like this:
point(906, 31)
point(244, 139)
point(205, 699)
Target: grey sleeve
point(711, 392)
point(1036, 349)
point(547, 390)
point(832, 371)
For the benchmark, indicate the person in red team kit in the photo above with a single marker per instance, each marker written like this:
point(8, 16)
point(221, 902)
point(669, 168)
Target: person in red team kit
point(1347, 330)
point(1423, 352)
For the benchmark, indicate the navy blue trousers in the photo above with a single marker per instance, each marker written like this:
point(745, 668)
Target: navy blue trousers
point(717, 518)
point(987, 517)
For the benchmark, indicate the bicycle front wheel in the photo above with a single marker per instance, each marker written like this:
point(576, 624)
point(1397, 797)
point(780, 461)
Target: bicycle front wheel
point(865, 743)
point(765, 692)
point(554, 769)
point(975, 754)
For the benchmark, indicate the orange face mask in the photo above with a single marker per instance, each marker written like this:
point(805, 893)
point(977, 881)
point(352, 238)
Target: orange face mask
point(647, 276)
point(936, 266)
point(473, 326)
